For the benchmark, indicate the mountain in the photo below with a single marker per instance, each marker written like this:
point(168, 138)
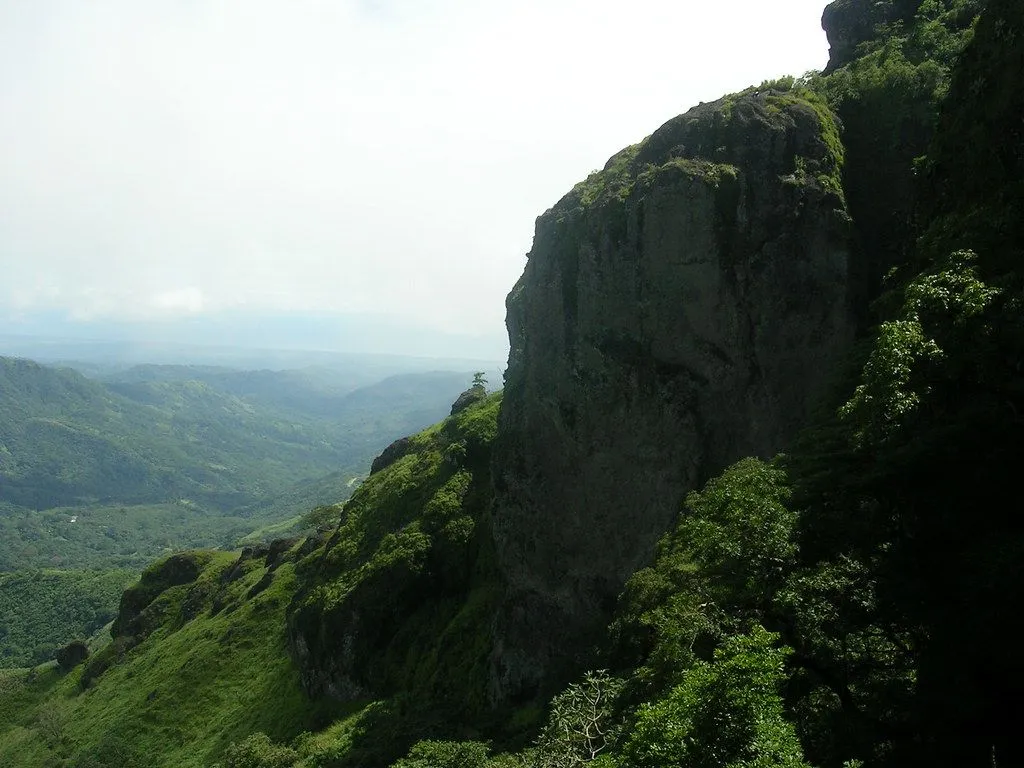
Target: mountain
point(112, 473)
point(160, 456)
point(746, 499)
point(221, 438)
point(681, 309)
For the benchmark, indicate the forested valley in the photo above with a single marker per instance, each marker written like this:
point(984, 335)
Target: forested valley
point(99, 476)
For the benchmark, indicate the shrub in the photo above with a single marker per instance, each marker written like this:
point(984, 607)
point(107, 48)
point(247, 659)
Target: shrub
point(445, 754)
point(582, 723)
point(724, 714)
point(258, 751)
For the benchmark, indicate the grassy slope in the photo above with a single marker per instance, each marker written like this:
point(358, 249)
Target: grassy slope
point(205, 662)
point(179, 697)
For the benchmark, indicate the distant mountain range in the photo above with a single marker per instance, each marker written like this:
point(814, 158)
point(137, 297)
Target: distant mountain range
point(236, 338)
point(223, 438)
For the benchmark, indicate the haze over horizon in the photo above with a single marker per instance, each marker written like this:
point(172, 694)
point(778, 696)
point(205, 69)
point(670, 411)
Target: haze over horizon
point(359, 175)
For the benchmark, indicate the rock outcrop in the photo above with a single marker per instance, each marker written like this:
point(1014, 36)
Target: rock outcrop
point(474, 394)
point(391, 454)
point(679, 310)
point(850, 23)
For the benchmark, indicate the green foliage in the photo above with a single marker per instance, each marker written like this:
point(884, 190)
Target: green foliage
point(44, 610)
point(323, 517)
point(257, 751)
point(212, 670)
point(887, 99)
point(404, 584)
point(445, 754)
point(898, 615)
point(739, 532)
point(613, 182)
point(582, 723)
point(476, 428)
point(726, 713)
point(943, 308)
point(973, 177)
point(918, 497)
point(114, 536)
point(111, 752)
point(719, 569)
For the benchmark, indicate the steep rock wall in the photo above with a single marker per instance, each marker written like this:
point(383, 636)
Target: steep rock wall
point(679, 310)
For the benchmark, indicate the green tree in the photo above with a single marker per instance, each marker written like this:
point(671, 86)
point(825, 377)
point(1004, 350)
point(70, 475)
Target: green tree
point(725, 714)
point(445, 754)
point(715, 573)
point(258, 751)
point(582, 723)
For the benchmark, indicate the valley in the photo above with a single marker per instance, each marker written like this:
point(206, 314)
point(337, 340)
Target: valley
point(109, 472)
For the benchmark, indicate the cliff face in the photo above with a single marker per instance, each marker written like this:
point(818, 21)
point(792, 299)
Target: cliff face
point(850, 23)
point(889, 66)
point(679, 310)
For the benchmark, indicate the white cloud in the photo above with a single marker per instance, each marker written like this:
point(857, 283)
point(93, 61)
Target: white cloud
point(351, 156)
point(184, 300)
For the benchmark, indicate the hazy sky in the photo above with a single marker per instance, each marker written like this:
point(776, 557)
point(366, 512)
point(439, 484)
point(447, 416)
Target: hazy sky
point(168, 159)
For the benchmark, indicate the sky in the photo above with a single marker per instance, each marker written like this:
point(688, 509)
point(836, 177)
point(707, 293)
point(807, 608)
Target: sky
point(374, 165)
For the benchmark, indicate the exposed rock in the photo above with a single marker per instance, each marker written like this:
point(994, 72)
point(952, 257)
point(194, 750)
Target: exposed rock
point(474, 394)
point(679, 310)
point(391, 454)
point(176, 570)
point(72, 654)
point(276, 551)
point(850, 23)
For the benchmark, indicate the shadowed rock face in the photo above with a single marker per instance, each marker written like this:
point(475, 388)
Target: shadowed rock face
point(679, 310)
point(848, 23)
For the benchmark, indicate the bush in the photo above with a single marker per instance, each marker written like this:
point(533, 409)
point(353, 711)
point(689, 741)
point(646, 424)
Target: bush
point(258, 751)
point(445, 754)
point(725, 714)
point(582, 723)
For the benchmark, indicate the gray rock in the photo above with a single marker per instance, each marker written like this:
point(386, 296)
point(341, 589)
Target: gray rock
point(850, 23)
point(679, 310)
point(391, 454)
point(474, 394)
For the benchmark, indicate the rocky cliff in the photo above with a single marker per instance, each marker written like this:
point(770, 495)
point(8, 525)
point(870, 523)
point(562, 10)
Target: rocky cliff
point(679, 310)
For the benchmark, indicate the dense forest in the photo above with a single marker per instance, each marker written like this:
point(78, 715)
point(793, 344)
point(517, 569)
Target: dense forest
point(851, 599)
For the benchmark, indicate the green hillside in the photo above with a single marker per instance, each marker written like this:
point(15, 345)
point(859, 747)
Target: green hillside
point(111, 475)
point(206, 632)
point(65, 439)
point(95, 475)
